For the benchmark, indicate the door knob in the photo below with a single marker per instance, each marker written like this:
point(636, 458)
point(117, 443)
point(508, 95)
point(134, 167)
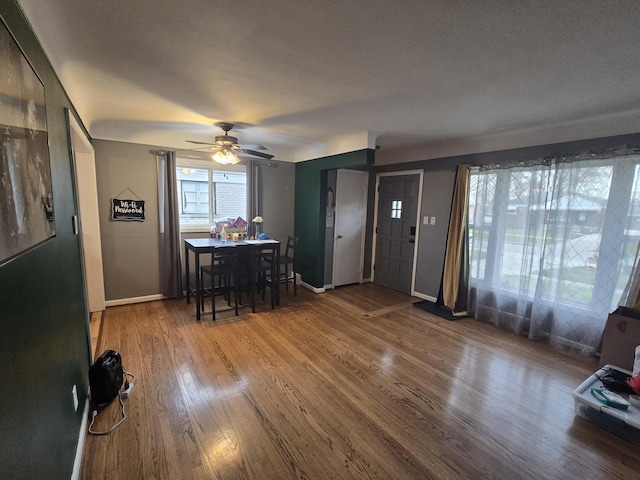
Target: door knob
point(339, 236)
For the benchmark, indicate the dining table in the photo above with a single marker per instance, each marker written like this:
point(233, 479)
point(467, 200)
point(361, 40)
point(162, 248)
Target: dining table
point(209, 245)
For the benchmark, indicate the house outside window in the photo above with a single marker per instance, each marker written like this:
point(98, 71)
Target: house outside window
point(194, 197)
point(208, 193)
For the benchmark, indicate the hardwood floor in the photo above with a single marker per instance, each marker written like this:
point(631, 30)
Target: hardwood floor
point(353, 383)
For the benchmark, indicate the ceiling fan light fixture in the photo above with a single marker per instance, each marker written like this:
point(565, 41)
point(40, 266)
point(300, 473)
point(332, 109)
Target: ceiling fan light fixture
point(225, 157)
point(226, 146)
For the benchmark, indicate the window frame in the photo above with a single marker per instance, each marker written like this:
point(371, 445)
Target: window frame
point(396, 209)
point(620, 193)
point(211, 167)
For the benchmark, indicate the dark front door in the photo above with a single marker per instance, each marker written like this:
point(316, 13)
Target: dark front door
point(395, 230)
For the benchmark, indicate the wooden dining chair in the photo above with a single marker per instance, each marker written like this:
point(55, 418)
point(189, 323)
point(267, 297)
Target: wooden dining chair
point(223, 269)
point(288, 264)
point(265, 269)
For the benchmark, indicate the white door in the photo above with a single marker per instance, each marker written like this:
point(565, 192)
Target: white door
point(351, 213)
point(89, 222)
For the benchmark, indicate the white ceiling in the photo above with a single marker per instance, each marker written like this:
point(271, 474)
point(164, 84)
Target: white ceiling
point(419, 78)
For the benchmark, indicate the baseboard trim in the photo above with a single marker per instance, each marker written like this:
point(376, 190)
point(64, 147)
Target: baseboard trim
point(331, 286)
point(311, 287)
point(82, 437)
point(424, 297)
point(129, 301)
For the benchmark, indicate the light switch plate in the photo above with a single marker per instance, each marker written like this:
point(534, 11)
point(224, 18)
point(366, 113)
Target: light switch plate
point(433, 220)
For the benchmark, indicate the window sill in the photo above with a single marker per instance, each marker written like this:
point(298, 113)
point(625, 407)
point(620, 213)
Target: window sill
point(195, 230)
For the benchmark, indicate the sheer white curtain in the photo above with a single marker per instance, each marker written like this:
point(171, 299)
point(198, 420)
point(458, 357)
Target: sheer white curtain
point(552, 244)
point(631, 294)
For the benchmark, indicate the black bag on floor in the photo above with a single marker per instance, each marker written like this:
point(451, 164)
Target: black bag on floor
point(106, 377)
point(616, 381)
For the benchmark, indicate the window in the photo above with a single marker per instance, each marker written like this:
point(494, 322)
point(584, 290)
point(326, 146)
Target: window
point(554, 241)
point(396, 209)
point(209, 193)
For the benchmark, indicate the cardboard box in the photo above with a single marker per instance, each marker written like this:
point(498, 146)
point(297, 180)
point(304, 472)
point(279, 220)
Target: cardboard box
point(621, 337)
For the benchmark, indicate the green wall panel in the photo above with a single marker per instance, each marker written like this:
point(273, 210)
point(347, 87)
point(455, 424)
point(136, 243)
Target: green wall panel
point(309, 211)
point(44, 346)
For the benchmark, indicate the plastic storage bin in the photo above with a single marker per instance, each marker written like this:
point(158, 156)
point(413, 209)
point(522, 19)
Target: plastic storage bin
point(624, 423)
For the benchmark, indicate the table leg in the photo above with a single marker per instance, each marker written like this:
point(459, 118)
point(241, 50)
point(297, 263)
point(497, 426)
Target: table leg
point(186, 259)
point(277, 282)
point(197, 293)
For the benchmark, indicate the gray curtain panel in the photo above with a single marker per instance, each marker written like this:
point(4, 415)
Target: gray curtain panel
point(170, 262)
point(252, 193)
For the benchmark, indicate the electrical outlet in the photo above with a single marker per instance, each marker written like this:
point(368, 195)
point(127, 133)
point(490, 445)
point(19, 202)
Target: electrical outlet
point(433, 220)
point(425, 220)
point(74, 393)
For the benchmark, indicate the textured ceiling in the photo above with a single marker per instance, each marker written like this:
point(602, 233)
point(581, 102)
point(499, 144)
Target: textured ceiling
point(307, 79)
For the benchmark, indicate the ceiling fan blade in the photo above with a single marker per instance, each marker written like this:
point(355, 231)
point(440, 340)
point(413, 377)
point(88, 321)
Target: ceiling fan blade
point(227, 142)
point(257, 154)
point(205, 150)
point(255, 146)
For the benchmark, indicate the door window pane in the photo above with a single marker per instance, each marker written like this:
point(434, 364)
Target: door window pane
point(396, 208)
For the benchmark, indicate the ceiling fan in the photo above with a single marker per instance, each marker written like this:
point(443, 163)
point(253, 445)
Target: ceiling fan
point(226, 146)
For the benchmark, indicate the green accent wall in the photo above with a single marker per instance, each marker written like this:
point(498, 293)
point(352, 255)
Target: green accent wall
point(44, 344)
point(309, 210)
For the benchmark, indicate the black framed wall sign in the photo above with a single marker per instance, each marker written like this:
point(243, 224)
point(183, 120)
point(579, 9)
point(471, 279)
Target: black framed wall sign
point(127, 210)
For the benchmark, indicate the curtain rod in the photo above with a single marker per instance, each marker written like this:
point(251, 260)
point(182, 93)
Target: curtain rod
point(621, 150)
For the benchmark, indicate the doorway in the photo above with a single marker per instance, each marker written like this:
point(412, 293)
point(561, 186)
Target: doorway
point(396, 229)
point(350, 222)
point(84, 168)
